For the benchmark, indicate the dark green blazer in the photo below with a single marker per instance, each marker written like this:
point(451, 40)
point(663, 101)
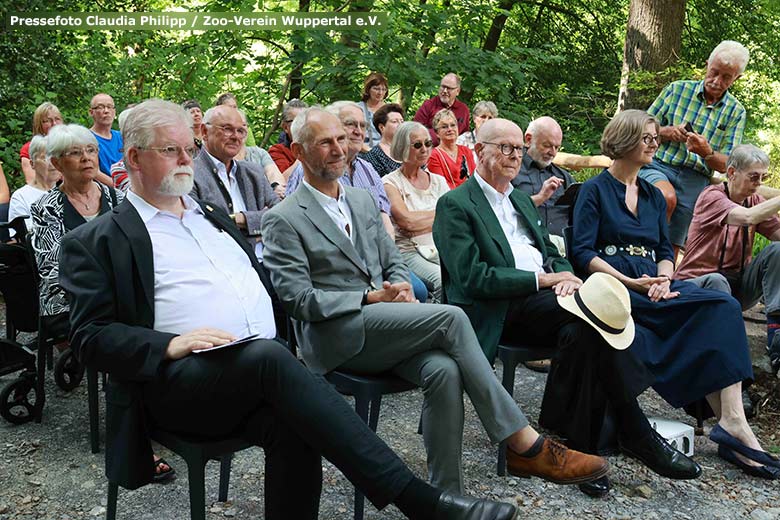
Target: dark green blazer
point(477, 267)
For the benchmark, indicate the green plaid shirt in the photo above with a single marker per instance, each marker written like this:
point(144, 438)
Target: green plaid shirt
point(721, 124)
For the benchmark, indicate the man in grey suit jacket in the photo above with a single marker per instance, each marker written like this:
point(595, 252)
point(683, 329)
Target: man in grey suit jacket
point(238, 187)
point(341, 277)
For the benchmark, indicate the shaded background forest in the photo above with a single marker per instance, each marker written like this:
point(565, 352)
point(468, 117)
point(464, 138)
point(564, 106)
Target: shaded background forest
point(531, 57)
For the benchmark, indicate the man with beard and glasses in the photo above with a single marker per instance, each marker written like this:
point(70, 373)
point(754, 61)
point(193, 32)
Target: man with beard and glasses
point(346, 286)
point(161, 279)
point(540, 178)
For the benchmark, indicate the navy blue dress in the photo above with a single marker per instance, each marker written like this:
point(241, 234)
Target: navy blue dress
point(694, 344)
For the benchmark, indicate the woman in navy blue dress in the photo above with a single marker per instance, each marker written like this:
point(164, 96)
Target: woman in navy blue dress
point(692, 340)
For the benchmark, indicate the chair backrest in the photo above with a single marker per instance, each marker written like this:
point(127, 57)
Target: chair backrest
point(4, 236)
point(19, 286)
point(568, 239)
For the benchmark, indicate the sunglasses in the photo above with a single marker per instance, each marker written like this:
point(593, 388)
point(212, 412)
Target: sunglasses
point(419, 144)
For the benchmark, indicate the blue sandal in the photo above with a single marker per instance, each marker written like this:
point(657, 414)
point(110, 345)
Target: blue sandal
point(725, 439)
point(767, 472)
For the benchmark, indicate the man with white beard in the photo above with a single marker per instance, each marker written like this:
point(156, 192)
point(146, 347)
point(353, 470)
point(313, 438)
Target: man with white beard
point(162, 279)
point(542, 179)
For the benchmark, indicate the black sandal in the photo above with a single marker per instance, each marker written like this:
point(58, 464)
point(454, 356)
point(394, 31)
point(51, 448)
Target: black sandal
point(161, 475)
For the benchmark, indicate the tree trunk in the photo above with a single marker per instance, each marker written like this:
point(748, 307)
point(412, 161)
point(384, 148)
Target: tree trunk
point(299, 39)
point(653, 38)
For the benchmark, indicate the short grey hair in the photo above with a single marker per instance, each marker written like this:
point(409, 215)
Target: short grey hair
point(624, 132)
point(208, 114)
point(37, 145)
point(539, 123)
point(62, 137)
point(301, 132)
point(485, 107)
point(138, 128)
point(743, 157)
point(336, 107)
point(293, 104)
point(402, 140)
point(123, 115)
point(731, 53)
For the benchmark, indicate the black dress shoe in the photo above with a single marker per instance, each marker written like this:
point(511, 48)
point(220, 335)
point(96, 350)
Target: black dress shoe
point(456, 507)
point(659, 456)
point(596, 488)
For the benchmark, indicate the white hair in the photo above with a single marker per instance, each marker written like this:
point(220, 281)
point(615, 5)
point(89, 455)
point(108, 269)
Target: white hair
point(299, 129)
point(336, 107)
point(37, 145)
point(540, 123)
point(731, 53)
point(744, 156)
point(138, 127)
point(63, 137)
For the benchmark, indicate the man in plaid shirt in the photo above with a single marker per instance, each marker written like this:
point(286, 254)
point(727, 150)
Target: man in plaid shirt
point(700, 124)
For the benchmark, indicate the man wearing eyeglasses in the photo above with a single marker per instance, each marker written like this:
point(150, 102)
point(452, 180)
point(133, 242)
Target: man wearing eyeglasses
point(346, 285)
point(449, 88)
point(499, 265)
point(102, 111)
point(719, 249)
point(701, 122)
point(540, 178)
point(238, 187)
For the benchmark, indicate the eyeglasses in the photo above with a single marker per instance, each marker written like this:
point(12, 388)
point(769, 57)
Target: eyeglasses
point(75, 153)
point(351, 123)
point(379, 88)
point(230, 131)
point(447, 88)
point(103, 107)
point(648, 139)
point(172, 151)
point(288, 120)
point(508, 149)
point(419, 144)
point(446, 126)
point(758, 177)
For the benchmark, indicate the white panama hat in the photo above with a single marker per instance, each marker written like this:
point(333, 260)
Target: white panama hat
point(604, 304)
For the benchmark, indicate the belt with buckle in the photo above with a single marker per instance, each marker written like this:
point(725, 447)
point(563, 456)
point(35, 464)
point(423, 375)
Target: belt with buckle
point(631, 250)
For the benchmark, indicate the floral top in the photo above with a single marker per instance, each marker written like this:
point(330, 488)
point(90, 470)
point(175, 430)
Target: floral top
point(53, 215)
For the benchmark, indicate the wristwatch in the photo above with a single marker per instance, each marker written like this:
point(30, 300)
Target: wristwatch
point(364, 301)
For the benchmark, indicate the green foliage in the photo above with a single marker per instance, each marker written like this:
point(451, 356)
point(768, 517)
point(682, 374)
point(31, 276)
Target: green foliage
point(553, 58)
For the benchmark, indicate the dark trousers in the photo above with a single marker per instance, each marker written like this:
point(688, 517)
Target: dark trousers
point(262, 391)
point(587, 374)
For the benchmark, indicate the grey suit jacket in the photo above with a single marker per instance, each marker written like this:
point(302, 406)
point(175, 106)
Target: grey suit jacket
point(320, 276)
point(252, 183)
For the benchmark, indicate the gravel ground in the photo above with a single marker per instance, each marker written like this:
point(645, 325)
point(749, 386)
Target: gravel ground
point(47, 471)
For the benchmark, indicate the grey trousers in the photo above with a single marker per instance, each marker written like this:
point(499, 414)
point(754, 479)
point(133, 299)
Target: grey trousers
point(761, 278)
point(434, 346)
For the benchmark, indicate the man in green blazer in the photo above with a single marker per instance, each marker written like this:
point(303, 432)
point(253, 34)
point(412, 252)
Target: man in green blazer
point(499, 266)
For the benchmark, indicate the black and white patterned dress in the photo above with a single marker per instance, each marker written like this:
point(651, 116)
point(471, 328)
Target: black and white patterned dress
point(52, 216)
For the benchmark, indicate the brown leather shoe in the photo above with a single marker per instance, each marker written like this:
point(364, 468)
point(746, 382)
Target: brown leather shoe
point(557, 463)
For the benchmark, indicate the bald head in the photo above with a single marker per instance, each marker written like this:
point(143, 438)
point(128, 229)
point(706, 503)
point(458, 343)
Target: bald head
point(495, 128)
point(543, 139)
point(495, 138)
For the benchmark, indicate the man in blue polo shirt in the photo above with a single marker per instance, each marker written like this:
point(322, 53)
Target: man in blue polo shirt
point(700, 124)
point(102, 111)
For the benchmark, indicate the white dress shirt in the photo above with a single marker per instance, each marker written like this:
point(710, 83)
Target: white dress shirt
point(202, 277)
point(337, 209)
point(527, 256)
point(230, 181)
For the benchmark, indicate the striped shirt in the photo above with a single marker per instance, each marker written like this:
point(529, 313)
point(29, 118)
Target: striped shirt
point(363, 176)
point(721, 124)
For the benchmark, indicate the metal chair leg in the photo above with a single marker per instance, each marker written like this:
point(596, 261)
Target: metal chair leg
point(224, 476)
point(113, 492)
point(508, 382)
point(197, 476)
point(94, 419)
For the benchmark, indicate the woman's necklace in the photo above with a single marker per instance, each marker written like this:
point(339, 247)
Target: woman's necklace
point(83, 201)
